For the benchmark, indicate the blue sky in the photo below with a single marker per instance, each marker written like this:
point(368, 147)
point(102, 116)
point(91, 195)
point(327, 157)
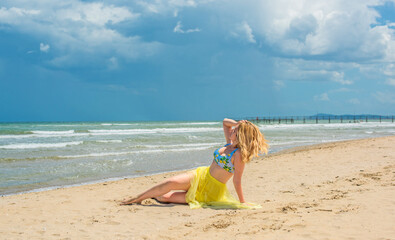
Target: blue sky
point(158, 60)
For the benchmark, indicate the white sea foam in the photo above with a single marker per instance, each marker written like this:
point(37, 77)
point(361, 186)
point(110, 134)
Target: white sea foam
point(109, 141)
point(203, 123)
point(104, 154)
point(118, 124)
point(189, 123)
point(150, 131)
point(42, 135)
point(108, 132)
point(181, 145)
point(62, 133)
point(39, 145)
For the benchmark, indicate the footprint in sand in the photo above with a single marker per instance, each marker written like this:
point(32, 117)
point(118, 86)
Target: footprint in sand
point(275, 226)
point(298, 225)
point(189, 224)
point(375, 176)
point(221, 225)
point(347, 208)
point(335, 194)
point(287, 191)
point(287, 209)
point(218, 225)
point(307, 205)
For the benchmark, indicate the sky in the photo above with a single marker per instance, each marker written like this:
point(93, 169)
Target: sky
point(156, 60)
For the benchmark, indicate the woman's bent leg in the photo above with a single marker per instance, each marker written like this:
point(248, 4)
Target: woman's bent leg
point(179, 182)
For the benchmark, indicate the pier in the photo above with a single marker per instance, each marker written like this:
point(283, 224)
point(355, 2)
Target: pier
point(321, 119)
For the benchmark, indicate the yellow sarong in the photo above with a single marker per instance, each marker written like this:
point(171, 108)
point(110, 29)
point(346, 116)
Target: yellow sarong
point(208, 192)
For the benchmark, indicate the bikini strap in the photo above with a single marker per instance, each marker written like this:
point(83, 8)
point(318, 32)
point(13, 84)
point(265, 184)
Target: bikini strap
point(227, 144)
point(231, 154)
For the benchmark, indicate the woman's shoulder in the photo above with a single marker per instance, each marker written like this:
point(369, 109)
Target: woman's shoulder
point(237, 153)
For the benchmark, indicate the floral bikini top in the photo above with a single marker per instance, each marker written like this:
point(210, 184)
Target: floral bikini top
point(225, 161)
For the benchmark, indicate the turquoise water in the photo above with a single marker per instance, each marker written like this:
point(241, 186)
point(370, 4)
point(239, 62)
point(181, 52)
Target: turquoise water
point(36, 156)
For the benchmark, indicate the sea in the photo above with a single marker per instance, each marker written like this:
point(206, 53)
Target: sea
point(48, 155)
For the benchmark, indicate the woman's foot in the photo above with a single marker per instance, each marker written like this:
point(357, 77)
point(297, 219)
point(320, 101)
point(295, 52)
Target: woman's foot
point(130, 201)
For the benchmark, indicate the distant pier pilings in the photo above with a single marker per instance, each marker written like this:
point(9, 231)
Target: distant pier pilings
point(322, 119)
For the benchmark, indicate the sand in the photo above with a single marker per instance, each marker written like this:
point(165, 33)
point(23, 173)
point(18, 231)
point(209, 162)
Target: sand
point(340, 190)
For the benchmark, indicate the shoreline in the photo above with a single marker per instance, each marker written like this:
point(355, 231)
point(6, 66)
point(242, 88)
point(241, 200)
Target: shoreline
point(113, 179)
point(105, 180)
point(308, 192)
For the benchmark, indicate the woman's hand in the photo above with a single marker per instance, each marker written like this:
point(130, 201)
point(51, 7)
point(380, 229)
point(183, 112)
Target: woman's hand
point(241, 121)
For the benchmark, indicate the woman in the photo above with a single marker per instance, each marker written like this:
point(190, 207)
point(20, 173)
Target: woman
point(206, 186)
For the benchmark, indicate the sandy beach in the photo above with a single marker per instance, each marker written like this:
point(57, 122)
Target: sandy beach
point(339, 190)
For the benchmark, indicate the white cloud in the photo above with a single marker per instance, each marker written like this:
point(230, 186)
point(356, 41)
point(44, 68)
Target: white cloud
point(335, 29)
point(339, 77)
point(163, 7)
point(113, 63)
point(13, 14)
point(95, 13)
point(44, 47)
point(385, 97)
point(243, 31)
point(390, 81)
point(322, 97)
point(278, 84)
point(389, 70)
point(343, 90)
point(354, 101)
point(311, 70)
point(77, 29)
point(178, 29)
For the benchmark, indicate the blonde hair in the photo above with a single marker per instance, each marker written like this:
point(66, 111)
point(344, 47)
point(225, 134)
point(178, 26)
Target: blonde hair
point(250, 141)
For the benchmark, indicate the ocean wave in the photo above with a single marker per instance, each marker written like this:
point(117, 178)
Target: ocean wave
point(62, 133)
point(150, 131)
point(39, 145)
point(202, 123)
point(187, 145)
point(107, 132)
point(105, 154)
point(82, 131)
point(109, 141)
point(14, 132)
point(189, 123)
point(118, 124)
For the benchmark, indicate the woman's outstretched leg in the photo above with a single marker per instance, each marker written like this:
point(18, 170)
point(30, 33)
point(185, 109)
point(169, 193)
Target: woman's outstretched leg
point(179, 182)
point(173, 197)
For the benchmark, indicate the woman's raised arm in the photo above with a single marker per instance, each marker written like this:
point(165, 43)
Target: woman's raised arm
point(227, 125)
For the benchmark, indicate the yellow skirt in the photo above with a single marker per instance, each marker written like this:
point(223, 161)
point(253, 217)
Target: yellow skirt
point(208, 192)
